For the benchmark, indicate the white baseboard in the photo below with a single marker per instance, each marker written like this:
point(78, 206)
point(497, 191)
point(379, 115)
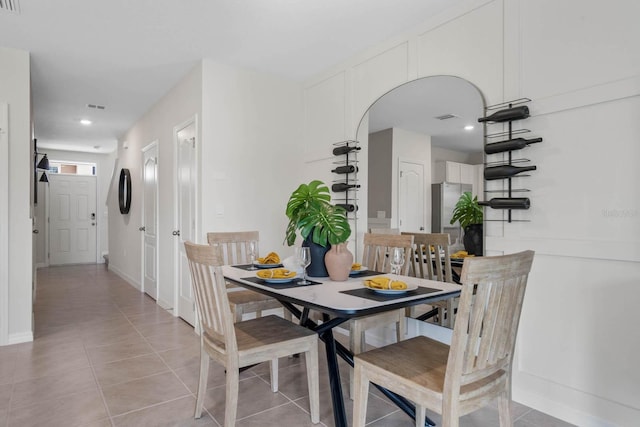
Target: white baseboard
point(570, 404)
point(133, 282)
point(20, 337)
point(165, 304)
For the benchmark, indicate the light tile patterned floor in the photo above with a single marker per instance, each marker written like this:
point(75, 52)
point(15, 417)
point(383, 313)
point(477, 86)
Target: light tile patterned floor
point(106, 355)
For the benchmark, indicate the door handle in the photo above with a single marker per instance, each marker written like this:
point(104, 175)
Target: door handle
point(176, 233)
point(93, 223)
point(421, 228)
point(142, 228)
point(36, 231)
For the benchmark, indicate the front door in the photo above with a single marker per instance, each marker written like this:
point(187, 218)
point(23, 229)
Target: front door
point(149, 226)
point(72, 219)
point(411, 197)
point(185, 215)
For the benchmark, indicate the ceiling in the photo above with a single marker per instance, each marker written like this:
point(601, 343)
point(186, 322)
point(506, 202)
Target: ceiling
point(125, 55)
point(439, 106)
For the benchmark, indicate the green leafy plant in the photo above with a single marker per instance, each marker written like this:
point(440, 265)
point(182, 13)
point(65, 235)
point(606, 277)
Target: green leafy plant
point(467, 211)
point(310, 210)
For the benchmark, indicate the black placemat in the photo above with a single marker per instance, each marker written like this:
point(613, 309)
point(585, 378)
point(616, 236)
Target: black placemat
point(369, 294)
point(248, 266)
point(295, 283)
point(365, 274)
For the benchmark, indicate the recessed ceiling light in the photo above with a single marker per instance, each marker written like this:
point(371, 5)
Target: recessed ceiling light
point(85, 122)
point(468, 127)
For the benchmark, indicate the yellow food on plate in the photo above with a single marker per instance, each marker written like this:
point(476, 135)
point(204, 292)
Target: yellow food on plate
point(385, 283)
point(271, 258)
point(460, 254)
point(276, 273)
point(356, 266)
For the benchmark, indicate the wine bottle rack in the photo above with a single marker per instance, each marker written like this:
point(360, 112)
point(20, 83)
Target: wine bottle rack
point(346, 155)
point(511, 140)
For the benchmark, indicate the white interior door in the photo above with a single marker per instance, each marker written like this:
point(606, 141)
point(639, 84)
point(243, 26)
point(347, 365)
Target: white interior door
point(72, 220)
point(186, 216)
point(149, 226)
point(411, 195)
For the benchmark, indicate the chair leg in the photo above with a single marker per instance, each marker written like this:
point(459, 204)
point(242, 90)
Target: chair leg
point(273, 373)
point(237, 313)
point(355, 345)
point(421, 413)
point(231, 398)
point(504, 409)
point(360, 396)
point(202, 381)
point(313, 382)
point(401, 328)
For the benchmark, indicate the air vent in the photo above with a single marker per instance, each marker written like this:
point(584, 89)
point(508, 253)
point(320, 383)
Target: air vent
point(445, 117)
point(94, 106)
point(10, 6)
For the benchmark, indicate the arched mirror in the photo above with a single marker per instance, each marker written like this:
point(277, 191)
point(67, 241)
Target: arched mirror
point(425, 148)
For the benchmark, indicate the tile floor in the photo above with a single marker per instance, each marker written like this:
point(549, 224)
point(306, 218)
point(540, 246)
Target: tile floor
point(106, 355)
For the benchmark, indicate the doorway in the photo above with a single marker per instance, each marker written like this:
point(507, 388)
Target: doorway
point(186, 205)
point(149, 226)
point(72, 219)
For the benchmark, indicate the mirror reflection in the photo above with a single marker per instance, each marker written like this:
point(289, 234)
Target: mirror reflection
point(425, 147)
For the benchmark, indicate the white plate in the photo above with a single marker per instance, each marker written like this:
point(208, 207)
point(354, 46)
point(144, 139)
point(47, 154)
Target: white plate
point(276, 281)
point(410, 287)
point(356, 272)
point(257, 264)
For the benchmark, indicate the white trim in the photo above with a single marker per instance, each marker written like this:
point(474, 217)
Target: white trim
point(132, 281)
point(4, 224)
point(20, 338)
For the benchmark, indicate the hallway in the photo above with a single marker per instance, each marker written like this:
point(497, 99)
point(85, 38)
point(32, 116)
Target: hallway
point(106, 355)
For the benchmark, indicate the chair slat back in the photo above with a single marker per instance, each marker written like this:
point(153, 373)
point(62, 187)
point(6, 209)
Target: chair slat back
point(431, 264)
point(487, 321)
point(212, 302)
point(377, 247)
point(233, 246)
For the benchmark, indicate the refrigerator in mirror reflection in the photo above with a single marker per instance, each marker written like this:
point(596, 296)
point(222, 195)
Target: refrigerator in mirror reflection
point(444, 197)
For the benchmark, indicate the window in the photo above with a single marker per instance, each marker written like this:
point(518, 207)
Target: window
point(72, 168)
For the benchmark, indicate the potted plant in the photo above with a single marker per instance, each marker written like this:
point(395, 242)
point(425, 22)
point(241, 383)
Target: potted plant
point(321, 224)
point(469, 213)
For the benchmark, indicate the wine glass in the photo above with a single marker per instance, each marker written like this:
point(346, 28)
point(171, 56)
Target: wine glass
point(253, 253)
point(304, 259)
point(397, 260)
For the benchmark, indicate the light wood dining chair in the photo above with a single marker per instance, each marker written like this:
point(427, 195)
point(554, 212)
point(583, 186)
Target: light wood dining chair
point(458, 379)
point(375, 257)
point(433, 265)
point(233, 247)
point(240, 344)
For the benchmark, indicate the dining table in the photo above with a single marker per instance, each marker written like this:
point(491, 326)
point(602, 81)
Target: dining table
point(338, 302)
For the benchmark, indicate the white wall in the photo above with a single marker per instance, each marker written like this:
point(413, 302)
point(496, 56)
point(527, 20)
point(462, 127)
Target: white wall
point(579, 61)
point(251, 132)
point(181, 103)
point(15, 292)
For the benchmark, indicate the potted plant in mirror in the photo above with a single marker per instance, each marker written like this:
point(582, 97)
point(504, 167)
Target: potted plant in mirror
point(469, 213)
point(321, 224)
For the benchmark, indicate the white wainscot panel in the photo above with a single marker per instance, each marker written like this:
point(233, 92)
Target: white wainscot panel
point(324, 123)
point(578, 340)
point(585, 188)
point(470, 47)
point(376, 76)
point(574, 44)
